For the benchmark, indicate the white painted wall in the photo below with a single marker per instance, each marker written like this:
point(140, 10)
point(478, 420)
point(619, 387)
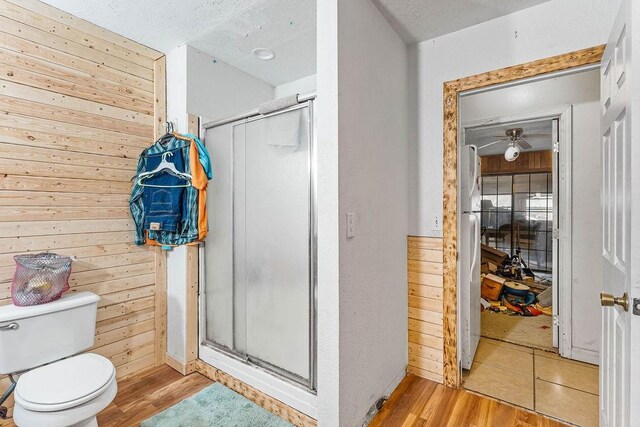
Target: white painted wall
point(362, 120)
point(552, 28)
point(328, 299)
point(176, 265)
point(300, 86)
point(196, 84)
point(217, 90)
point(579, 88)
point(583, 92)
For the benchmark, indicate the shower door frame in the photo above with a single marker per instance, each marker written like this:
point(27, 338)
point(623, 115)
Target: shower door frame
point(266, 377)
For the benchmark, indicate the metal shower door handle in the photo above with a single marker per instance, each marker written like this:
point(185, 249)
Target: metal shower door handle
point(10, 327)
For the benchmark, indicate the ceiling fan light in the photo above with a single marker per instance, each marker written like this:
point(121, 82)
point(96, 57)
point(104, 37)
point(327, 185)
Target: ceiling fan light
point(512, 152)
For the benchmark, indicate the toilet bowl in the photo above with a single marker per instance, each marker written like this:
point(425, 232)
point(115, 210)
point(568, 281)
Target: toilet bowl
point(69, 392)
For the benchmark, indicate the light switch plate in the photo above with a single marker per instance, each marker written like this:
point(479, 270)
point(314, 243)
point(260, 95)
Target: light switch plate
point(351, 225)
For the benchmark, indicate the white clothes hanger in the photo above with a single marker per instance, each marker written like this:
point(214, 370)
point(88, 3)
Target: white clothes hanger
point(165, 166)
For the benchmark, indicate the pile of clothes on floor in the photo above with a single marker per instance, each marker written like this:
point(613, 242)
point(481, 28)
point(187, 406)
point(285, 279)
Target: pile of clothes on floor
point(511, 288)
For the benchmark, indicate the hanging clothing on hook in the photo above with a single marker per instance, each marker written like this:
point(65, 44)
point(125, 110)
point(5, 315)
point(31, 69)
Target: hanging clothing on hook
point(168, 200)
point(198, 219)
point(163, 192)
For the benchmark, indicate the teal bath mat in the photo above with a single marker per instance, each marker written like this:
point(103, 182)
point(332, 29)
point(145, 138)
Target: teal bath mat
point(215, 406)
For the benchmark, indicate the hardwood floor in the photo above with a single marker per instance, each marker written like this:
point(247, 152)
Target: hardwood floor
point(416, 402)
point(420, 402)
point(141, 396)
point(144, 395)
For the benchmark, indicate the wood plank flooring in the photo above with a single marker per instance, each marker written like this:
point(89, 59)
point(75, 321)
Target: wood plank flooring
point(420, 402)
point(144, 395)
point(416, 402)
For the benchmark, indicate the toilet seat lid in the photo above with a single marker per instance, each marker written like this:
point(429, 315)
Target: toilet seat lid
point(64, 384)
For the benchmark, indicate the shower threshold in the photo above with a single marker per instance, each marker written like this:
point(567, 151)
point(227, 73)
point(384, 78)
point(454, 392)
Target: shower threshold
point(283, 389)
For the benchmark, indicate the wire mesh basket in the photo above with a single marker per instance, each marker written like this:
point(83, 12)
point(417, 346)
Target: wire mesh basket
point(40, 278)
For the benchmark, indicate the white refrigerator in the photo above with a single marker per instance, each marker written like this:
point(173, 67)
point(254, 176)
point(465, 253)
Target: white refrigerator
point(469, 254)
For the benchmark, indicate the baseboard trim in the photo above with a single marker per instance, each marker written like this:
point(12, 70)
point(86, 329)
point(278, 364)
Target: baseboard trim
point(183, 368)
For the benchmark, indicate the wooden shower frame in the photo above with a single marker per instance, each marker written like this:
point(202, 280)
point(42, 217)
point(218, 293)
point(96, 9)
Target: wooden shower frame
point(452, 91)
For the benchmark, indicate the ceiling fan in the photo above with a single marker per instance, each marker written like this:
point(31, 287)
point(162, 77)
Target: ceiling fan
point(517, 142)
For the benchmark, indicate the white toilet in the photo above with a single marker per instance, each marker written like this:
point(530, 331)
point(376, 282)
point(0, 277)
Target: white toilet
point(59, 389)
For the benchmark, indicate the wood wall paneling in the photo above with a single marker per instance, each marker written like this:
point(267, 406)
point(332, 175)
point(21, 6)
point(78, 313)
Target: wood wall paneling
point(77, 105)
point(527, 162)
point(424, 268)
point(451, 93)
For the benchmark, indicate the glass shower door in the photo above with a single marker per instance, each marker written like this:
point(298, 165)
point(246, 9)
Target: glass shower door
point(261, 307)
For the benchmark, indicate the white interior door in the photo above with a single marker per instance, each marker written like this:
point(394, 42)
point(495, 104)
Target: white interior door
point(620, 361)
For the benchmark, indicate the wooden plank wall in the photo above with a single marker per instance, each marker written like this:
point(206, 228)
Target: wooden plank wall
point(527, 162)
point(424, 272)
point(77, 106)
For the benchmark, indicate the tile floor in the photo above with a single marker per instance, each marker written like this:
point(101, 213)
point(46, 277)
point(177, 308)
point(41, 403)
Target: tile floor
point(536, 380)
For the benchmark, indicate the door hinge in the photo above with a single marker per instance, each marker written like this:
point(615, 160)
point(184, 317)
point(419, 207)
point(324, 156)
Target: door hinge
point(555, 234)
point(556, 147)
point(556, 320)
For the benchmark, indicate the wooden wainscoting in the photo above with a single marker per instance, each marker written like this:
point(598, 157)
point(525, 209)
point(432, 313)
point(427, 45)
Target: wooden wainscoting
point(527, 162)
point(424, 272)
point(77, 106)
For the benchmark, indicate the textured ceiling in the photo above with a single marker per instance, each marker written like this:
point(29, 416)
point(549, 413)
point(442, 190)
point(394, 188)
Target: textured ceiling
point(418, 20)
point(539, 136)
point(229, 29)
point(226, 29)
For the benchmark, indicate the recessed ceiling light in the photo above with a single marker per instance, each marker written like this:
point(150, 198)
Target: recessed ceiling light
point(263, 53)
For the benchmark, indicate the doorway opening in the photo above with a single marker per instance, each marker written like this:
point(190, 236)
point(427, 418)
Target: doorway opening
point(513, 204)
point(528, 179)
point(517, 240)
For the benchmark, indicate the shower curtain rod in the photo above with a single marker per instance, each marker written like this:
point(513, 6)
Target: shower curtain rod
point(253, 113)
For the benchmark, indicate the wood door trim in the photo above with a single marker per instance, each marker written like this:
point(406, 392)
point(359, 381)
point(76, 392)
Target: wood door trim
point(160, 114)
point(192, 334)
point(452, 90)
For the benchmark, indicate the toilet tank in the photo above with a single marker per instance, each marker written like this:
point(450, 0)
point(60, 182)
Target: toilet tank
point(39, 334)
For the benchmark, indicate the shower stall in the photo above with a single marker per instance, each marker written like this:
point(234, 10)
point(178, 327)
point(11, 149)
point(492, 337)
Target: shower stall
point(258, 281)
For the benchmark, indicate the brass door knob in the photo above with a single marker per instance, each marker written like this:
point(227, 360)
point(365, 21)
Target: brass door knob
point(608, 300)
